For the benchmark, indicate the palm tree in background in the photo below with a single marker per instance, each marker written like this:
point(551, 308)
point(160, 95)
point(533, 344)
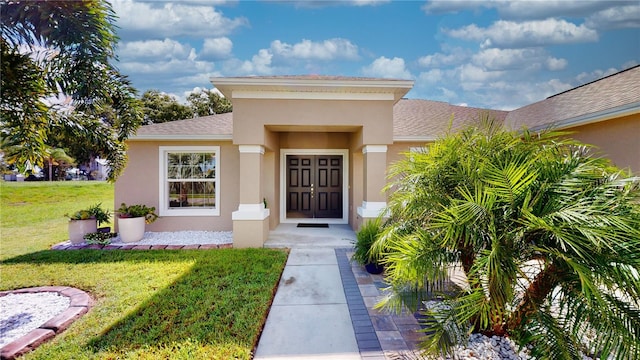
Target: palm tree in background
point(546, 236)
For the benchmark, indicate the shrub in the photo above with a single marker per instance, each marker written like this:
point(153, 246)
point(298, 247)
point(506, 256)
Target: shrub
point(547, 236)
point(365, 238)
point(93, 212)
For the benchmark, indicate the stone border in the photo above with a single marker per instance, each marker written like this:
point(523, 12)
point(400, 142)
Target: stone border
point(79, 305)
point(366, 337)
point(66, 245)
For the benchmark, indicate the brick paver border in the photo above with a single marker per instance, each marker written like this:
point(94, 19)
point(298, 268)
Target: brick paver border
point(66, 245)
point(79, 305)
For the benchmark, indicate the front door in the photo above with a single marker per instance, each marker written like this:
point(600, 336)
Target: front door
point(314, 186)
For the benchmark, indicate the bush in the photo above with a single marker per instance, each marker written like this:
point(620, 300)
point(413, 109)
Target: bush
point(547, 236)
point(365, 238)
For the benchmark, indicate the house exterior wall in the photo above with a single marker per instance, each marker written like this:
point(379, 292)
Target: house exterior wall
point(252, 118)
point(139, 184)
point(617, 139)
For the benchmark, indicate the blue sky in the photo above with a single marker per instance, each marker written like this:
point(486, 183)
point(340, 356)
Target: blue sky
point(491, 53)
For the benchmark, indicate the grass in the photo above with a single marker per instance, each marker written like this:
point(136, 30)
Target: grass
point(198, 304)
point(32, 213)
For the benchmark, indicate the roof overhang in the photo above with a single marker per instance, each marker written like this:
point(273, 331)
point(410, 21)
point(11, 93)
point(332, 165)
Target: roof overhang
point(607, 114)
point(312, 88)
point(180, 137)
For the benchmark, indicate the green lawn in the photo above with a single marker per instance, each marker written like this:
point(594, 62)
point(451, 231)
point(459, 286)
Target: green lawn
point(198, 304)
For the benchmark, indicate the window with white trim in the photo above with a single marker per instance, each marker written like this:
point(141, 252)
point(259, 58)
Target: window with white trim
point(189, 181)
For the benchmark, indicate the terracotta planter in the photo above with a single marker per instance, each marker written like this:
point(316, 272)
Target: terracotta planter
point(78, 228)
point(131, 229)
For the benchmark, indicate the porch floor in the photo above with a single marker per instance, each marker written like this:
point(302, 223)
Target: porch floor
point(290, 236)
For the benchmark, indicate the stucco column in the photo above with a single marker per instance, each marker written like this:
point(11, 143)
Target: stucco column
point(251, 220)
point(374, 174)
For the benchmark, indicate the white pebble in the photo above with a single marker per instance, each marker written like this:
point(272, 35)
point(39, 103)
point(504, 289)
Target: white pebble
point(21, 313)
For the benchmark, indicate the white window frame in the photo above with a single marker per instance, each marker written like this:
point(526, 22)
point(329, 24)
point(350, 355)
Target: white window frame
point(164, 209)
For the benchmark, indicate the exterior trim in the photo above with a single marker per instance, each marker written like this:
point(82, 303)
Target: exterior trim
point(345, 184)
point(311, 95)
point(371, 209)
point(181, 137)
point(250, 212)
point(374, 149)
point(162, 186)
point(414, 139)
point(251, 149)
point(267, 87)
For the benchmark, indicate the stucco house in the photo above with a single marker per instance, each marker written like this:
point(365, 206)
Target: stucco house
point(315, 149)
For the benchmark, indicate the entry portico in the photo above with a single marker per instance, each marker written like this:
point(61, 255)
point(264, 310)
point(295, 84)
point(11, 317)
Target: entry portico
point(311, 149)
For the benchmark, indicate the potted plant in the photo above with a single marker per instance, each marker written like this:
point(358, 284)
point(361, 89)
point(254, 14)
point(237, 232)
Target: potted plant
point(98, 238)
point(86, 221)
point(132, 220)
point(365, 238)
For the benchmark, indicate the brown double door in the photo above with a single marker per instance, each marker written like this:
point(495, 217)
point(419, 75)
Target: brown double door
point(314, 186)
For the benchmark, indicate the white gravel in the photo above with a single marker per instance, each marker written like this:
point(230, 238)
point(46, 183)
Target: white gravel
point(495, 347)
point(181, 238)
point(21, 313)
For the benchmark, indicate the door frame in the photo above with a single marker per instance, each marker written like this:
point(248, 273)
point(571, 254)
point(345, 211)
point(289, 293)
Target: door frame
point(345, 185)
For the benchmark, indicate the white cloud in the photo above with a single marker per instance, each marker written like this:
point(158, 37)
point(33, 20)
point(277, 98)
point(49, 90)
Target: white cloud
point(331, 49)
point(433, 76)
point(216, 48)
point(368, 2)
point(542, 9)
point(509, 34)
point(617, 17)
point(452, 57)
point(260, 64)
point(328, 3)
point(387, 68)
point(517, 59)
point(585, 77)
point(451, 6)
point(148, 19)
point(154, 49)
point(530, 9)
point(555, 64)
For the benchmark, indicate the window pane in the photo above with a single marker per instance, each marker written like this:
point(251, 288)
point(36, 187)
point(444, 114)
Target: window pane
point(190, 180)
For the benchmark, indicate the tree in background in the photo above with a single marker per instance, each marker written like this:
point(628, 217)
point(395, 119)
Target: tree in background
point(208, 102)
point(547, 237)
point(58, 81)
point(158, 107)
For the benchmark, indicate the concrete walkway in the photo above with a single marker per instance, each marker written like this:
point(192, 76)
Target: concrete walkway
point(309, 317)
point(323, 305)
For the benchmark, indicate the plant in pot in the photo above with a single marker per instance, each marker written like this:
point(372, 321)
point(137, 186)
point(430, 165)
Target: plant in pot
point(365, 238)
point(132, 220)
point(86, 221)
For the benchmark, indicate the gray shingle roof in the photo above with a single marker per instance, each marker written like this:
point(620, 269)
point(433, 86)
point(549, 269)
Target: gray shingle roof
point(426, 119)
point(219, 125)
point(608, 93)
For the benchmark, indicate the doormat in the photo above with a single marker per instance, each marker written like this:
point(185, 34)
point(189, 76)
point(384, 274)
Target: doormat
point(303, 225)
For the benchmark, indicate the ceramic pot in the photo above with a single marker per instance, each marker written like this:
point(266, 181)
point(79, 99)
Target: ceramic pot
point(78, 228)
point(131, 229)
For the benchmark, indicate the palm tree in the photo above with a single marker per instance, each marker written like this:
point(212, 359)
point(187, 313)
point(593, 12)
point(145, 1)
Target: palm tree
point(58, 157)
point(547, 236)
point(64, 49)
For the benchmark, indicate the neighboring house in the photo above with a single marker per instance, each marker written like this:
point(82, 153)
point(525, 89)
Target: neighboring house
point(315, 149)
